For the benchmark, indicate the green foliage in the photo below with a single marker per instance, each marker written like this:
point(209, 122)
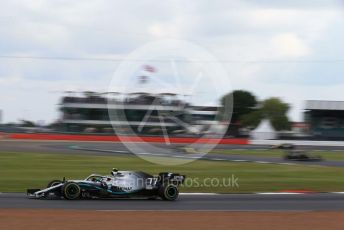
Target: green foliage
point(247, 113)
point(276, 110)
point(251, 119)
point(272, 109)
point(243, 103)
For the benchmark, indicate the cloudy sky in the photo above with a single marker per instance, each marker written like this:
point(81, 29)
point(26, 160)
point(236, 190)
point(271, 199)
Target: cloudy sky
point(289, 49)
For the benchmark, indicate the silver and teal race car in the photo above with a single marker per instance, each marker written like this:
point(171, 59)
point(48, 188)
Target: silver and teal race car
point(120, 184)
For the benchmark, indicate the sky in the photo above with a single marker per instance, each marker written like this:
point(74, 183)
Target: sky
point(287, 49)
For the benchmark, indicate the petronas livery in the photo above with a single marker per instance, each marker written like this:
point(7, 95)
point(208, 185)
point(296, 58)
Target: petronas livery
point(120, 184)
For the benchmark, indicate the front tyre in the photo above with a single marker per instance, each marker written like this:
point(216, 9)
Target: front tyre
point(71, 191)
point(54, 183)
point(57, 191)
point(169, 192)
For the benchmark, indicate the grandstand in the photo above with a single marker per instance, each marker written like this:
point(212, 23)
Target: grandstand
point(325, 119)
point(143, 112)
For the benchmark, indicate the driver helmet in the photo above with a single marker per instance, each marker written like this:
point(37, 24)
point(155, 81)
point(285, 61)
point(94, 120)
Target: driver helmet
point(114, 171)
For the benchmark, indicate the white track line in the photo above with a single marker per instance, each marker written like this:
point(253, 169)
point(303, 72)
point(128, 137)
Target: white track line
point(297, 193)
point(286, 163)
point(280, 193)
point(200, 194)
point(204, 210)
point(259, 193)
point(262, 162)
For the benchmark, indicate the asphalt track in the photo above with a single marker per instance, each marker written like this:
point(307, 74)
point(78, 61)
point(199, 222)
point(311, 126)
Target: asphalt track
point(119, 149)
point(196, 202)
point(190, 202)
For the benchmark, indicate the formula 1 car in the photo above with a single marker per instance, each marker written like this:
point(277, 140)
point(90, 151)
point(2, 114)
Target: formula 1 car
point(120, 184)
point(292, 154)
point(284, 146)
point(297, 155)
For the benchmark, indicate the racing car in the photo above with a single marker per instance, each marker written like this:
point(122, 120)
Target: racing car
point(292, 154)
point(298, 155)
point(120, 184)
point(284, 146)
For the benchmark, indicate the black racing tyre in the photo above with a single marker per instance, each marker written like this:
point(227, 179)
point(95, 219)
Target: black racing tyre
point(169, 192)
point(53, 183)
point(71, 191)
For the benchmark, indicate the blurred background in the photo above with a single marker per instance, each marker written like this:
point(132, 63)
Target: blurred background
point(283, 60)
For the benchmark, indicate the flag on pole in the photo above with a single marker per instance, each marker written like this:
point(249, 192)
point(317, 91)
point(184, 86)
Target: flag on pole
point(149, 68)
point(143, 79)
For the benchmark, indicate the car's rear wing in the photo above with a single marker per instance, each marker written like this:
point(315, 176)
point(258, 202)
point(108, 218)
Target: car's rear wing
point(172, 178)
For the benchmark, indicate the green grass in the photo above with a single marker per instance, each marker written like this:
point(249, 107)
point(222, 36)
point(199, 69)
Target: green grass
point(327, 155)
point(19, 171)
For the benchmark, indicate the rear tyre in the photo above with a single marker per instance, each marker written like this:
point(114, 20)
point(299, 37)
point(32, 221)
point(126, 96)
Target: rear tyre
point(169, 192)
point(71, 191)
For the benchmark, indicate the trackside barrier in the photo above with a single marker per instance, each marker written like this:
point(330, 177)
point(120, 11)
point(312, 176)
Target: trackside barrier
point(181, 140)
point(2, 136)
point(298, 142)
